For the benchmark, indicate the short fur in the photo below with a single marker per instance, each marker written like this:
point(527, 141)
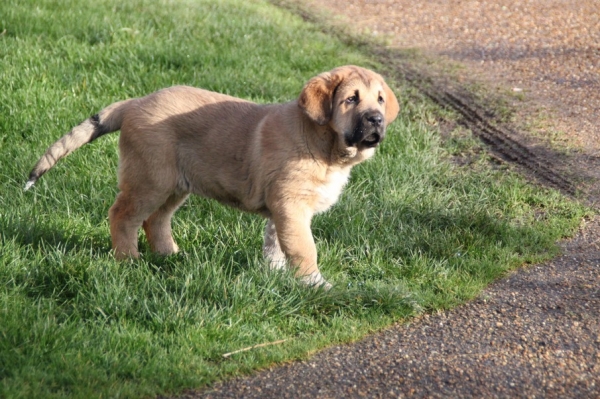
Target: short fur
point(285, 162)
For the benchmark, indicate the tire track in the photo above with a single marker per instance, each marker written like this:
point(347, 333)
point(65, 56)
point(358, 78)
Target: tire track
point(498, 138)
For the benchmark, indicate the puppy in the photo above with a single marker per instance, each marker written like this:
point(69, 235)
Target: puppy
point(286, 162)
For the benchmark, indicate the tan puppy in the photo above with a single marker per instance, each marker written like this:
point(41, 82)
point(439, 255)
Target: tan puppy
point(285, 162)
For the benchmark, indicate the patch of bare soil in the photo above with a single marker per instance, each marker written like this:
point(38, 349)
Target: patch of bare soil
point(541, 56)
point(537, 332)
point(550, 49)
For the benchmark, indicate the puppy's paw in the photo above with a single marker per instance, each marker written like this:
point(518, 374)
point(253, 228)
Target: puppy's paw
point(277, 264)
point(316, 280)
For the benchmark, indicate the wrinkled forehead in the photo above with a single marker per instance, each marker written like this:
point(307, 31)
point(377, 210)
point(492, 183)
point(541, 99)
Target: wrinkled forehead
point(361, 80)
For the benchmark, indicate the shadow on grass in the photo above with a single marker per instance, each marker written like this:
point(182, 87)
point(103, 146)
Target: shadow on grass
point(412, 243)
point(46, 237)
point(401, 231)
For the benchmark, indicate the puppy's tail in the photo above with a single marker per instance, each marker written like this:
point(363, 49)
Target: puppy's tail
point(106, 121)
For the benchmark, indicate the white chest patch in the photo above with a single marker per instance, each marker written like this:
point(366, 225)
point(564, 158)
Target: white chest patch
point(330, 191)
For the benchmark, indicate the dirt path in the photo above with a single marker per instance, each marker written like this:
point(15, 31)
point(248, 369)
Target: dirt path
point(537, 332)
point(547, 49)
point(541, 56)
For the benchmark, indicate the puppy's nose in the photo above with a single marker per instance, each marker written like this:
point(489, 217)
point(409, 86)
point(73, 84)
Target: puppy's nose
point(374, 118)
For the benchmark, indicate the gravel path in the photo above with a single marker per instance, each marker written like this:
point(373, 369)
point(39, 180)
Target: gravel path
point(537, 332)
point(533, 334)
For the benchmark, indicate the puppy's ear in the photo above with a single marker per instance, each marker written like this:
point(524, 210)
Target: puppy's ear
point(316, 98)
point(391, 104)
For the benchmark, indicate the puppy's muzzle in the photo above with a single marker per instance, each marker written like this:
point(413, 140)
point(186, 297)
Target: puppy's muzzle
point(374, 129)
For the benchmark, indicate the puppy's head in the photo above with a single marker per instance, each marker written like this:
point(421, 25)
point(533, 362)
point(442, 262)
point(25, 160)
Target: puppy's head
point(354, 102)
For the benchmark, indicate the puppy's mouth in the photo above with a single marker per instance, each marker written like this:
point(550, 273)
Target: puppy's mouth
point(371, 140)
point(363, 136)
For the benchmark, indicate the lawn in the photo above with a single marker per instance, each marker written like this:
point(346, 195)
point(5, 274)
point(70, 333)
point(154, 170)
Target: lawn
point(413, 232)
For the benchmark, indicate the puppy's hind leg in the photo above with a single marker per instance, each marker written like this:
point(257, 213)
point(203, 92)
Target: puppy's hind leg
point(124, 225)
point(158, 226)
point(126, 216)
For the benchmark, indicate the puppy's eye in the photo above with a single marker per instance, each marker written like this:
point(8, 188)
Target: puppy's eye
point(381, 100)
point(351, 100)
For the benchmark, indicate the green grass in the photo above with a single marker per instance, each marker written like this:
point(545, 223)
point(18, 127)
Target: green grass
point(412, 232)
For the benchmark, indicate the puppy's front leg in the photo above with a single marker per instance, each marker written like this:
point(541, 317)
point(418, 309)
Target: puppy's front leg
point(292, 229)
point(271, 249)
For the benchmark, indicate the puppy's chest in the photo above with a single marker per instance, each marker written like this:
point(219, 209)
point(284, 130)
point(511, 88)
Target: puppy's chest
point(329, 192)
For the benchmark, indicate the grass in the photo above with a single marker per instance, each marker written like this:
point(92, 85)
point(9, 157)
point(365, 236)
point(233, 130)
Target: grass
point(413, 232)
